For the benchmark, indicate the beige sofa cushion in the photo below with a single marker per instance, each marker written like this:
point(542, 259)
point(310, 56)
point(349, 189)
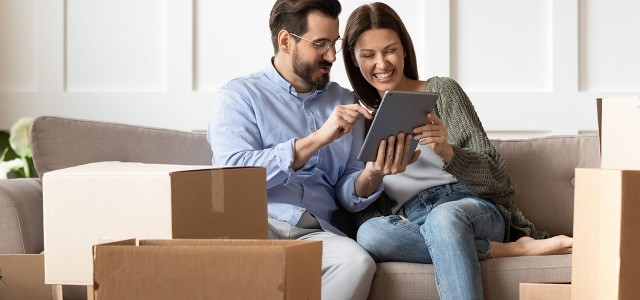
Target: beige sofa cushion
point(501, 277)
point(62, 142)
point(543, 170)
point(21, 216)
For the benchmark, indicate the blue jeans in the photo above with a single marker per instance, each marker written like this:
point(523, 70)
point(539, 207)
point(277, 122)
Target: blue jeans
point(449, 228)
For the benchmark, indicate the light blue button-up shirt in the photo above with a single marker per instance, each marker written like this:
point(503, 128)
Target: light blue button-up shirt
point(256, 120)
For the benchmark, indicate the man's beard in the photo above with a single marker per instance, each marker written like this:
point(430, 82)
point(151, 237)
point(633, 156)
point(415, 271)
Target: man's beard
point(305, 71)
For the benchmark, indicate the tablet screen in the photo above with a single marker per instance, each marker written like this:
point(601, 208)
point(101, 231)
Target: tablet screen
point(399, 111)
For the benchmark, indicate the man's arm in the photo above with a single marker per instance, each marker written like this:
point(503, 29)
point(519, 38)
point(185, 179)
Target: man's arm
point(340, 122)
point(235, 138)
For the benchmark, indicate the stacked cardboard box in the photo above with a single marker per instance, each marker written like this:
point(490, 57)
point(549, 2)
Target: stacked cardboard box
point(106, 201)
point(606, 264)
point(203, 229)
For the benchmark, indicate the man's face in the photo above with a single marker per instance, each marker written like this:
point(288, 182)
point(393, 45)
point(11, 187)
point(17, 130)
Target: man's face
point(310, 71)
point(308, 65)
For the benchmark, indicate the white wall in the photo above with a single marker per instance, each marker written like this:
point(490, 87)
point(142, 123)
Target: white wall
point(531, 68)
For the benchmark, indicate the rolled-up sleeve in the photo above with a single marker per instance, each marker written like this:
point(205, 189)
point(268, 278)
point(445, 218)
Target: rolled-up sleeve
point(235, 139)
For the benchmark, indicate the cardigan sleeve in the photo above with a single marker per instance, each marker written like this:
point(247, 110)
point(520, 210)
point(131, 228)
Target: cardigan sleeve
point(475, 163)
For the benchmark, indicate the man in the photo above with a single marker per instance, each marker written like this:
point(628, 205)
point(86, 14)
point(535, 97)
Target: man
point(306, 131)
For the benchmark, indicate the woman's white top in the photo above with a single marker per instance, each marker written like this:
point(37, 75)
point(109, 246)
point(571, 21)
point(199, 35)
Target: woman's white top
point(425, 173)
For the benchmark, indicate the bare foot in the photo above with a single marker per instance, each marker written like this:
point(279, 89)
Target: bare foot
point(559, 244)
point(525, 246)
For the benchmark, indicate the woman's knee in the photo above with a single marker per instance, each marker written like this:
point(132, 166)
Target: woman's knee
point(370, 233)
point(462, 216)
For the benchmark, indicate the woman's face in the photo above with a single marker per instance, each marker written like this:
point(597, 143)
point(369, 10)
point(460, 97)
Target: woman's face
point(380, 56)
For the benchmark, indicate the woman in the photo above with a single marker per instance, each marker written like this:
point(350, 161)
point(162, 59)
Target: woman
point(455, 205)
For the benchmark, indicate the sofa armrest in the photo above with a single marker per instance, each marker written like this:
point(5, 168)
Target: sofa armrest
point(21, 216)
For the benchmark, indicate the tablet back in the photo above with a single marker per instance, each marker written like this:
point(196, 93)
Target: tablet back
point(399, 111)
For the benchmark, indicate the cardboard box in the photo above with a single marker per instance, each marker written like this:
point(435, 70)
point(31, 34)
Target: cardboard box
point(606, 243)
point(545, 291)
point(107, 201)
point(208, 269)
point(619, 125)
point(24, 278)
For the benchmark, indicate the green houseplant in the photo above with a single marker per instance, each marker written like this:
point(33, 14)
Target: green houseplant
point(15, 151)
point(15, 155)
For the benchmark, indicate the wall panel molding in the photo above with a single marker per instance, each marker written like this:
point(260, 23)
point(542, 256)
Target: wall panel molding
point(530, 68)
point(115, 45)
point(609, 46)
point(18, 45)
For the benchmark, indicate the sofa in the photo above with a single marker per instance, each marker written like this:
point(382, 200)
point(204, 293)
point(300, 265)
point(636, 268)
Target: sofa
point(542, 168)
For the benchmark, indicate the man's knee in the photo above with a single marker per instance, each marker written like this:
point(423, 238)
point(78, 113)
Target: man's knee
point(355, 261)
point(363, 261)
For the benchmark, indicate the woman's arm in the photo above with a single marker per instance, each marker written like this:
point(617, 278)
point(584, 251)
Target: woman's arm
point(475, 162)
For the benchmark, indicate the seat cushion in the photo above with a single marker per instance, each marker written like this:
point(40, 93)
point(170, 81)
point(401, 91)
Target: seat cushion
point(21, 216)
point(501, 277)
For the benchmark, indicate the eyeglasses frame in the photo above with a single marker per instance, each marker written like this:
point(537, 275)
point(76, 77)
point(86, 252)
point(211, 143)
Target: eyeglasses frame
point(318, 47)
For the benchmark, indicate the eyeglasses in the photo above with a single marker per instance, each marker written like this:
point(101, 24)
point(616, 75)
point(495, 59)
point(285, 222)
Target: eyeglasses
point(323, 46)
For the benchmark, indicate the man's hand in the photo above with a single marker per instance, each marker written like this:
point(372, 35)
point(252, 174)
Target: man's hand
point(340, 122)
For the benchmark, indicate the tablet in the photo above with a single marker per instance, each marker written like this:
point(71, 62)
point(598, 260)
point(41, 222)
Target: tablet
point(399, 111)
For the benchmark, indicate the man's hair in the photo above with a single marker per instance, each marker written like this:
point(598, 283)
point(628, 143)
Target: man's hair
point(374, 16)
point(292, 16)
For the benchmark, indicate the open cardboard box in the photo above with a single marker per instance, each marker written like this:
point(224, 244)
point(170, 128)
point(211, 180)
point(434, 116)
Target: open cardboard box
point(100, 202)
point(606, 243)
point(207, 269)
point(24, 278)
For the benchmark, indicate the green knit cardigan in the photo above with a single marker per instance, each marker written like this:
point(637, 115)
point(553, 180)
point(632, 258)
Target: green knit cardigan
point(476, 163)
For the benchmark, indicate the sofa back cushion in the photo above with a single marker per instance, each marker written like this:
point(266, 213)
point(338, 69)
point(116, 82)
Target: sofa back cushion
point(62, 142)
point(543, 170)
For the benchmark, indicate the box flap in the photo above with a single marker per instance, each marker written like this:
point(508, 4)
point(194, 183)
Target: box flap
point(225, 242)
point(620, 121)
point(629, 237)
point(128, 242)
point(202, 201)
point(304, 271)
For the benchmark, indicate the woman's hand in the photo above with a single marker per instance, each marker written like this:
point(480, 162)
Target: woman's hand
point(393, 156)
point(434, 133)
